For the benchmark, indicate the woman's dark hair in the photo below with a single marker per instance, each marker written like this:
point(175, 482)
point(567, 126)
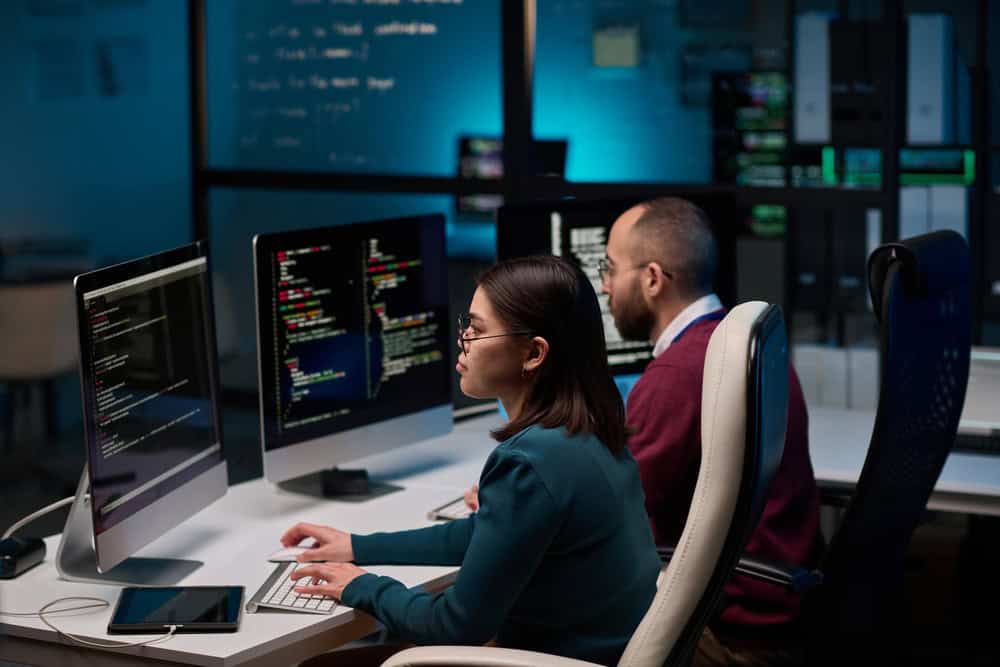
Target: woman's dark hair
point(573, 387)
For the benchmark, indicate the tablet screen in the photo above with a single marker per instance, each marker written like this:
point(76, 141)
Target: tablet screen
point(212, 606)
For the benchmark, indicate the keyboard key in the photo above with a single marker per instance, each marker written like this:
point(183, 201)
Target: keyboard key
point(278, 592)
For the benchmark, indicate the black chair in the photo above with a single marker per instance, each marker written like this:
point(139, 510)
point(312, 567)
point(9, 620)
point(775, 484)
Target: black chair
point(920, 295)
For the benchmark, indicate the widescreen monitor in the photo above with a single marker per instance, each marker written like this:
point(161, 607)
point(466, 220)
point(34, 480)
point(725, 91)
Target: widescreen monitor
point(149, 377)
point(353, 343)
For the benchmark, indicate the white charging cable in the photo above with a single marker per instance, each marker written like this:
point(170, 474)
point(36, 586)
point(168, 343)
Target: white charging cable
point(34, 515)
point(94, 603)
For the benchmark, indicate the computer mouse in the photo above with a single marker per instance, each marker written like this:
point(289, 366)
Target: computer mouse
point(290, 553)
point(286, 554)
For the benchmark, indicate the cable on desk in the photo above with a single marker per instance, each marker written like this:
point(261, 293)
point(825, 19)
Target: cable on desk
point(95, 603)
point(34, 515)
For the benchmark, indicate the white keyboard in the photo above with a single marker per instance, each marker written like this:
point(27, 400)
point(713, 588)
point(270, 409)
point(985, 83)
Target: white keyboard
point(456, 509)
point(277, 593)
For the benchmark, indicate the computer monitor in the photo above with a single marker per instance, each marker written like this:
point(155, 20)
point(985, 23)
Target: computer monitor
point(149, 378)
point(578, 230)
point(482, 158)
point(353, 339)
point(479, 157)
point(750, 128)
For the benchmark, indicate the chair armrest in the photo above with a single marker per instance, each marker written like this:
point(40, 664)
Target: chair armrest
point(479, 656)
point(798, 579)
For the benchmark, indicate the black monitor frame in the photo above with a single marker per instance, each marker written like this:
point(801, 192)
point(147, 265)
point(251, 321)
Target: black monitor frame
point(92, 551)
point(319, 449)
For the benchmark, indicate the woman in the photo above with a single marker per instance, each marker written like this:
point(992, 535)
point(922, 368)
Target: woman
point(559, 557)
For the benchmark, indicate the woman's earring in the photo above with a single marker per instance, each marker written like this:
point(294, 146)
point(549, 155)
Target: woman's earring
point(524, 372)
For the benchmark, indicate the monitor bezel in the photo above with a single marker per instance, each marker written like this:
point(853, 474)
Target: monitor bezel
point(119, 541)
point(332, 449)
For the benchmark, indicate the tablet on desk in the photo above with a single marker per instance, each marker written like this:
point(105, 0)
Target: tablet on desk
point(190, 608)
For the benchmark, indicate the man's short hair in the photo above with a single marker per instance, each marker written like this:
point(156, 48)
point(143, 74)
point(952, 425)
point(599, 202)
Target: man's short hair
point(678, 235)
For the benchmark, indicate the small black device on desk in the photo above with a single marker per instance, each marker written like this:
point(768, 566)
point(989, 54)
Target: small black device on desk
point(18, 554)
point(189, 608)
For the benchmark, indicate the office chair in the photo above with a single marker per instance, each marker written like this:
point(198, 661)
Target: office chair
point(744, 412)
point(920, 295)
point(38, 330)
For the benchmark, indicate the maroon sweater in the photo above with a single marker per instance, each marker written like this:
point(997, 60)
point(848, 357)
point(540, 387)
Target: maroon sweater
point(664, 411)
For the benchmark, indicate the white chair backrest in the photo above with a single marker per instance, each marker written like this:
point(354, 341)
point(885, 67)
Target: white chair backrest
point(37, 330)
point(723, 439)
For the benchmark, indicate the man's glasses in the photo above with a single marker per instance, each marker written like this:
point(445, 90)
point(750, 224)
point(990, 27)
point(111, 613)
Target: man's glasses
point(465, 322)
point(607, 272)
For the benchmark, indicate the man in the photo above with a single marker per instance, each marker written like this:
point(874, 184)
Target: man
point(661, 261)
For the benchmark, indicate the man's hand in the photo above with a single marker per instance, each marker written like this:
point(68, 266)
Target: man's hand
point(336, 577)
point(331, 544)
point(472, 498)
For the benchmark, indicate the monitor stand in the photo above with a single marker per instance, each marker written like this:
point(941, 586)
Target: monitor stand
point(352, 486)
point(76, 559)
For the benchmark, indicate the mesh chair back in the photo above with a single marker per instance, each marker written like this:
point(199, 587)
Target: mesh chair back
point(920, 294)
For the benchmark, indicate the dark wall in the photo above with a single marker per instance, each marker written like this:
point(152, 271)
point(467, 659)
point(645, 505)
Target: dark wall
point(94, 124)
point(94, 131)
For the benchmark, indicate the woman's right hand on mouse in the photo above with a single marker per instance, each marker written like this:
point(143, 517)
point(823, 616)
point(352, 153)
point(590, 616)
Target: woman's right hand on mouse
point(331, 544)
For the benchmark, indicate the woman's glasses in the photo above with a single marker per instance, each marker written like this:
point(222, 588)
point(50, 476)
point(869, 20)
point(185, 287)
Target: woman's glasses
point(464, 341)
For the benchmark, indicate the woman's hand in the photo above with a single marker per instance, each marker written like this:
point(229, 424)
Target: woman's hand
point(331, 544)
point(329, 579)
point(472, 497)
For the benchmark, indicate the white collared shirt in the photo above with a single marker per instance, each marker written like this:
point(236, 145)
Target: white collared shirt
point(703, 306)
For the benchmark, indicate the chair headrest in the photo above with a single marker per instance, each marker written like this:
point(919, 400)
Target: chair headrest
point(928, 263)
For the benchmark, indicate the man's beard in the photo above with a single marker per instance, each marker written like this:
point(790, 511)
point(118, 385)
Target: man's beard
point(633, 320)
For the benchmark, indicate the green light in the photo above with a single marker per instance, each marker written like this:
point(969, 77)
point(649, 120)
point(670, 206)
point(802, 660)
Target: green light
point(966, 177)
point(829, 165)
point(862, 179)
point(932, 179)
point(969, 162)
point(768, 220)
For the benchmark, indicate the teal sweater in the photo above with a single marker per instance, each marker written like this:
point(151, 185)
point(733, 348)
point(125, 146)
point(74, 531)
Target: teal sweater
point(559, 558)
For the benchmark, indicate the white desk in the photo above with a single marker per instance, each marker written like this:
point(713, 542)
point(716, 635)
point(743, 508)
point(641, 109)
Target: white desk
point(838, 443)
point(233, 537)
